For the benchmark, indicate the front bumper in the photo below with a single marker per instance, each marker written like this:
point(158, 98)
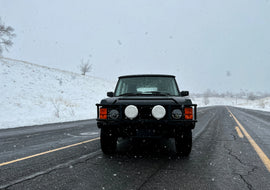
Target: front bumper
point(146, 128)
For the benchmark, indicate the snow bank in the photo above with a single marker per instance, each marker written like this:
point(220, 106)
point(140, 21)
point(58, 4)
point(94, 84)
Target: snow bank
point(260, 104)
point(33, 94)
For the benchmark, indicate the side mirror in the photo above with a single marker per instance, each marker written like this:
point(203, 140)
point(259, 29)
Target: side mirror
point(110, 94)
point(184, 93)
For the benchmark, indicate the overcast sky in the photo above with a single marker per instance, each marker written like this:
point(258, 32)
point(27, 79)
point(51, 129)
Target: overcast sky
point(207, 44)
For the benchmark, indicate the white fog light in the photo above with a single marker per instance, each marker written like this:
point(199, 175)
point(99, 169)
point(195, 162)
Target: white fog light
point(158, 112)
point(176, 113)
point(131, 111)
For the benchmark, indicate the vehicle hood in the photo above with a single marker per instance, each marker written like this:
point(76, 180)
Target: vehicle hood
point(146, 100)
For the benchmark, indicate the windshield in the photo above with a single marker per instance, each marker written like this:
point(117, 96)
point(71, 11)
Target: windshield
point(147, 86)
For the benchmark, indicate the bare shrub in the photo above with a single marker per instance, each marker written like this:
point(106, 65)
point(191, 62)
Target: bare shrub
point(60, 81)
point(206, 96)
point(85, 66)
point(62, 107)
point(6, 36)
point(262, 104)
point(251, 96)
point(72, 112)
point(56, 104)
point(205, 100)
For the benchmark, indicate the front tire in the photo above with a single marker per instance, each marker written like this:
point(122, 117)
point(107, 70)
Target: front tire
point(108, 141)
point(183, 142)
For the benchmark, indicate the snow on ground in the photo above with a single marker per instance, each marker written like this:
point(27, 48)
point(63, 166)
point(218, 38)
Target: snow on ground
point(33, 94)
point(259, 104)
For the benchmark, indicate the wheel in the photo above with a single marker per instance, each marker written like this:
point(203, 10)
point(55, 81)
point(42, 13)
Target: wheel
point(183, 142)
point(108, 141)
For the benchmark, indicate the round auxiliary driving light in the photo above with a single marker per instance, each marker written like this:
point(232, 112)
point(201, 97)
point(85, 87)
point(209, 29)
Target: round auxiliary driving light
point(176, 114)
point(113, 114)
point(131, 111)
point(158, 112)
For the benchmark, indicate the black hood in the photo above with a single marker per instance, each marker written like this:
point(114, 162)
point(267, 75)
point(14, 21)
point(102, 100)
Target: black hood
point(146, 100)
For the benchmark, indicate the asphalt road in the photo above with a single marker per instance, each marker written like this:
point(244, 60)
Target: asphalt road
point(68, 156)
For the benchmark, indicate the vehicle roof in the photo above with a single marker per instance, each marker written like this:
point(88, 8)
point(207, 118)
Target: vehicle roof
point(147, 75)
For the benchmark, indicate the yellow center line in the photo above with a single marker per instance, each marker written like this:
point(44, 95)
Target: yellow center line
point(240, 134)
point(47, 152)
point(256, 147)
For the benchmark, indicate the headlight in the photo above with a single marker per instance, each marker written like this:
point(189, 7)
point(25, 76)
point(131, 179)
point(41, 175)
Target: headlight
point(131, 111)
point(176, 114)
point(113, 114)
point(158, 112)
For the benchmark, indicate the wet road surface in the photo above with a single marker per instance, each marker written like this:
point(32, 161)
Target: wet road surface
point(68, 156)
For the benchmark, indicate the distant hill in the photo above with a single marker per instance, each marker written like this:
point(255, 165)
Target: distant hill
point(32, 94)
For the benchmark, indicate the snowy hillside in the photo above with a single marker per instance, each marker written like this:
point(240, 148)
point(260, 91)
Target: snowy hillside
point(33, 94)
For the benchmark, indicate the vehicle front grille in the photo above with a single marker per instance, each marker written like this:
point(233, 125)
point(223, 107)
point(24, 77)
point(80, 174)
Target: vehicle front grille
point(145, 112)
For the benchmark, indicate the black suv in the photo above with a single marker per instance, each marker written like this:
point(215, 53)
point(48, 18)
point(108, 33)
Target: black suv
point(146, 106)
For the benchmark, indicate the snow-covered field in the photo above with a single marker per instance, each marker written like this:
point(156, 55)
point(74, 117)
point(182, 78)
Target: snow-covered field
point(33, 94)
point(260, 104)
